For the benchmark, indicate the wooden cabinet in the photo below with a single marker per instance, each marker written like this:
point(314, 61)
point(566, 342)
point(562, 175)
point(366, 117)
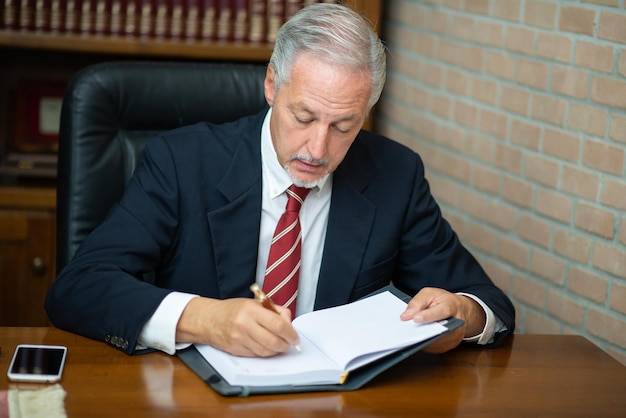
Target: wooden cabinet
point(27, 212)
point(27, 254)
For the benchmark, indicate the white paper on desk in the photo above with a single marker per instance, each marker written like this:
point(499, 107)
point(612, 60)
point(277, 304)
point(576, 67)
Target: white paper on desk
point(332, 341)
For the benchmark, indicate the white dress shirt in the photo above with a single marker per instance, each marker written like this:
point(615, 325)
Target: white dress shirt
point(160, 330)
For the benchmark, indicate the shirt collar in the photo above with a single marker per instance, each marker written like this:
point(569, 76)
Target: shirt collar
point(273, 173)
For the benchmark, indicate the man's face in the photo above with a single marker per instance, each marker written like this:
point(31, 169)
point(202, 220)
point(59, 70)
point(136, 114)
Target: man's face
point(316, 116)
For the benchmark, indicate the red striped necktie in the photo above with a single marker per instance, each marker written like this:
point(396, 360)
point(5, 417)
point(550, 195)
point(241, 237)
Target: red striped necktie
point(283, 264)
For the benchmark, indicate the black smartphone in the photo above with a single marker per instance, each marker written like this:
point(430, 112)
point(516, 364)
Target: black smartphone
point(37, 363)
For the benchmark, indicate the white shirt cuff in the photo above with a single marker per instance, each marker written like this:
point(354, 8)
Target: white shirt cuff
point(493, 324)
point(160, 330)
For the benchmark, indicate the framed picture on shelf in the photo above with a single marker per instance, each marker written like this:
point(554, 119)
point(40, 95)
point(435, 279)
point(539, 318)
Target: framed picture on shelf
point(37, 116)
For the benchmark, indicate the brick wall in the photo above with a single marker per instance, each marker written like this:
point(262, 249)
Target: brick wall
point(518, 108)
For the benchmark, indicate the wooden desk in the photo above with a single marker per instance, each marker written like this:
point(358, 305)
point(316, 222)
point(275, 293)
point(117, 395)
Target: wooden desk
point(530, 375)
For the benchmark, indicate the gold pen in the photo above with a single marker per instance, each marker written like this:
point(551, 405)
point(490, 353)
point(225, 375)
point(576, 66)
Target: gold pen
point(266, 302)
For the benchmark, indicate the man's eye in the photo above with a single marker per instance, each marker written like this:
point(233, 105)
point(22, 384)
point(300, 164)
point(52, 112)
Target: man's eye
point(340, 130)
point(303, 121)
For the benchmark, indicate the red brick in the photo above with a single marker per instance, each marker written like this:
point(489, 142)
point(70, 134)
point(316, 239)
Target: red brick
point(554, 47)
point(607, 327)
point(561, 145)
point(448, 51)
point(542, 170)
point(622, 231)
point(453, 4)
point(541, 14)
point(501, 276)
point(489, 33)
point(482, 238)
point(441, 106)
point(570, 82)
point(458, 82)
point(618, 128)
point(603, 157)
point(485, 91)
point(433, 74)
point(587, 119)
point(461, 27)
point(614, 194)
point(595, 220)
point(554, 205)
point(622, 63)
point(532, 73)
point(486, 179)
point(425, 45)
point(548, 266)
point(565, 308)
point(508, 10)
point(577, 19)
point(472, 203)
point(515, 99)
point(477, 6)
point(610, 259)
point(571, 245)
point(588, 285)
point(480, 147)
point(436, 20)
point(580, 182)
point(612, 26)
point(501, 65)
point(595, 56)
point(472, 58)
point(501, 215)
point(614, 3)
point(609, 92)
point(513, 252)
point(530, 292)
point(508, 158)
point(493, 123)
point(452, 138)
point(520, 39)
point(427, 127)
point(518, 191)
point(525, 134)
point(618, 298)
point(465, 114)
point(534, 230)
point(537, 323)
point(549, 109)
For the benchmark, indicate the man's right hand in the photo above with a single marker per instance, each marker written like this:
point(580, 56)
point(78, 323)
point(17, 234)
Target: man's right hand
point(239, 326)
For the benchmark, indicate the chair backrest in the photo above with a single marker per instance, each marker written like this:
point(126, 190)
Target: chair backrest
point(109, 112)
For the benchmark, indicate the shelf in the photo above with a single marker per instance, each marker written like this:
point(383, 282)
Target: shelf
point(95, 44)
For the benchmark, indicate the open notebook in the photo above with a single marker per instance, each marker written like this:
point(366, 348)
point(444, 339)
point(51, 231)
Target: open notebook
point(335, 343)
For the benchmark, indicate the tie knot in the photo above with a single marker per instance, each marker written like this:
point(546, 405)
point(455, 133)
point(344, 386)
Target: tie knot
point(295, 197)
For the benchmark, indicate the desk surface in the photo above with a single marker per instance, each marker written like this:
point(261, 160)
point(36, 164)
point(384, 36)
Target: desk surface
point(529, 375)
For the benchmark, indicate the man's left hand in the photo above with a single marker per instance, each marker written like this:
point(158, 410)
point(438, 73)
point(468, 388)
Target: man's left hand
point(434, 304)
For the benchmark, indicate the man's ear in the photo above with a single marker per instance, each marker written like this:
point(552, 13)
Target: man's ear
point(269, 86)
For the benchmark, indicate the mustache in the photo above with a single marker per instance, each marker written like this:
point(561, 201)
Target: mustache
point(307, 158)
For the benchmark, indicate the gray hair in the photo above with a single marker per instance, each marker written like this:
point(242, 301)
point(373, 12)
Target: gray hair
point(333, 33)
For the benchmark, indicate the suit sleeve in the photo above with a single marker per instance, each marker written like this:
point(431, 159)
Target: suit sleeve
point(102, 293)
point(431, 255)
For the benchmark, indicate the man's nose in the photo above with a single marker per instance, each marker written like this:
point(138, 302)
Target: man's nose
point(318, 143)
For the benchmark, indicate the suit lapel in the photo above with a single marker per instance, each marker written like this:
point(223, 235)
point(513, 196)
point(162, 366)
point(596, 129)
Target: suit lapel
point(238, 219)
point(349, 226)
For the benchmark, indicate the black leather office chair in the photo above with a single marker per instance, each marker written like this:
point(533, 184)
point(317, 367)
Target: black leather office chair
point(109, 112)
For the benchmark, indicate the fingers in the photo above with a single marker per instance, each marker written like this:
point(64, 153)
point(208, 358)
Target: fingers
point(238, 326)
point(431, 304)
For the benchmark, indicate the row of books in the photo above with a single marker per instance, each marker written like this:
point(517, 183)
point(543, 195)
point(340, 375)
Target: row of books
point(220, 20)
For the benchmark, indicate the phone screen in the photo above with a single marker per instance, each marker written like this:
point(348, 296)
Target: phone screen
point(37, 363)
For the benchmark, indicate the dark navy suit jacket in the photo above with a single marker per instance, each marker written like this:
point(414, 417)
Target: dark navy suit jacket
point(190, 220)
